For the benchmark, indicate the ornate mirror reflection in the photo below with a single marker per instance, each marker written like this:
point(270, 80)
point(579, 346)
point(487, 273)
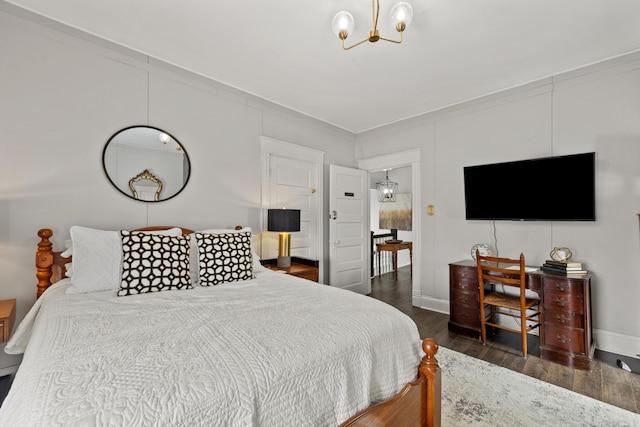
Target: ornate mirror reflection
point(146, 163)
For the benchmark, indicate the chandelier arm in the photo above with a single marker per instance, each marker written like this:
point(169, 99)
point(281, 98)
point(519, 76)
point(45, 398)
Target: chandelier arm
point(375, 12)
point(393, 41)
point(353, 45)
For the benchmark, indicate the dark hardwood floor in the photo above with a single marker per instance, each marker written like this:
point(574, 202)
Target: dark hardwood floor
point(605, 382)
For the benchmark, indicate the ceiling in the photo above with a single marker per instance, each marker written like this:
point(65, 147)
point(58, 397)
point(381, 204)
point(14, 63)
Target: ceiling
point(284, 50)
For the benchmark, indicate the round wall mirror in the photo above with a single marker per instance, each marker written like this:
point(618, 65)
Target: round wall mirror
point(146, 163)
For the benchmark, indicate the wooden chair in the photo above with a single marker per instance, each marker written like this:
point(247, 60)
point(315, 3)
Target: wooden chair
point(494, 271)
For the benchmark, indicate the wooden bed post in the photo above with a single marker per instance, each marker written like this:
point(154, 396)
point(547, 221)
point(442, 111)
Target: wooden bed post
point(44, 261)
point(429, 368)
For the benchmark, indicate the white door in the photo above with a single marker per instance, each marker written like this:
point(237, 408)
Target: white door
point(349, 229)
point(293, 185)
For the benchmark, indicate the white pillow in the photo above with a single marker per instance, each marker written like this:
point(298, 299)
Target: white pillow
point(257, 265)
point(175, 231)
point(97, 258)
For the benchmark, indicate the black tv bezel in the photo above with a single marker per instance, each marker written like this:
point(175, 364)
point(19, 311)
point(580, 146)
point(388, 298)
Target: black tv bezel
point(565, 187)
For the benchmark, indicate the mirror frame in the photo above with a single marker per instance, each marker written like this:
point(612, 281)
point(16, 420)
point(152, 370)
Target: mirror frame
point(104, 166)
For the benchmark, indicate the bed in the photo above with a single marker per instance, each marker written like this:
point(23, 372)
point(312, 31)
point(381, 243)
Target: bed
point(271, 349)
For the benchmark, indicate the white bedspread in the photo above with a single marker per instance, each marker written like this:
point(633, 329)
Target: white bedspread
point(273, 351)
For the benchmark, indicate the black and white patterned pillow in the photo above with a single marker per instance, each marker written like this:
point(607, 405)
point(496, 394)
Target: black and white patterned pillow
point(152, 263)
point(224, 258)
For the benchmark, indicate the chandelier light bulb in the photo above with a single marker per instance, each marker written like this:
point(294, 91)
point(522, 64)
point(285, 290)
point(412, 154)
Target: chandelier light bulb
point(401, 15)
point(164, 137)
point(343, 24)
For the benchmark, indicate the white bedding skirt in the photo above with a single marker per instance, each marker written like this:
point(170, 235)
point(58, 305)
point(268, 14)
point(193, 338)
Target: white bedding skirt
point(273, 351)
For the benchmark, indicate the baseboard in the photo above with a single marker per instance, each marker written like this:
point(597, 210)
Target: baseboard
point(429, 303)
point(614, 342)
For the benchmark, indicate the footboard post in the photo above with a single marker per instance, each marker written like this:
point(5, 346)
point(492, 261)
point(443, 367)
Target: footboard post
point(429, 368)
point(44, 261)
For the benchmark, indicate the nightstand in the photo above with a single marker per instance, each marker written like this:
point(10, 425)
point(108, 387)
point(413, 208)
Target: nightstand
point(300, 267)
point(7, 318)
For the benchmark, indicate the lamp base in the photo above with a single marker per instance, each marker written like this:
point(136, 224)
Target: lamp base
point(284, 261)
point(284, 250)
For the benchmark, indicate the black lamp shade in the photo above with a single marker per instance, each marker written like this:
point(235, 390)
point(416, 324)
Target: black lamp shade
point(283, 220)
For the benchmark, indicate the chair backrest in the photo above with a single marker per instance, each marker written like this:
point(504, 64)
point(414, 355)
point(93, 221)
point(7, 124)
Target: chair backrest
point(503, 271)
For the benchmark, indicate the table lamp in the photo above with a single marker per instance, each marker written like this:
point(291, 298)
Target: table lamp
point(283, 221)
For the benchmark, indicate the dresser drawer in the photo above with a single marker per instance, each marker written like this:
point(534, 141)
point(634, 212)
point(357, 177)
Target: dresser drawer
point(567, 339)
point(464, 285)
point(564, 302)
point(464, 274)
point(466, 315)
point(461, 297)
point(563, 318)
point(563, 286)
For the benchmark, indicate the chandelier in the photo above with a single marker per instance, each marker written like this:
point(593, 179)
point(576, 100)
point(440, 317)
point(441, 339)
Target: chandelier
point(165, 139)
point(387, 189)
point(401, 15)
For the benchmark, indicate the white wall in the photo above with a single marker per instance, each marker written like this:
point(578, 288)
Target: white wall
point(592, 109)
point(64, 93)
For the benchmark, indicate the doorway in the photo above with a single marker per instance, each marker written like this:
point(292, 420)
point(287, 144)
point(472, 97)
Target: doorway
point(391, 220)
point(292, 177)
point(410, 160)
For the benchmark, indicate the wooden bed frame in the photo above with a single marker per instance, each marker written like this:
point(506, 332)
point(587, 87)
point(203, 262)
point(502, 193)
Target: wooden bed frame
point(418, 404)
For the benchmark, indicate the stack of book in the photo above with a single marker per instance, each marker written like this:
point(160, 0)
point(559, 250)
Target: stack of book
point(563, 267)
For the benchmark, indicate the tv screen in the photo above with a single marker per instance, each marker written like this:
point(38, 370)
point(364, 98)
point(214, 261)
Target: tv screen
point(560, 188)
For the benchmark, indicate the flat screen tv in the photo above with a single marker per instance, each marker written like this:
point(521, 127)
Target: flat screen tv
point(560, 188)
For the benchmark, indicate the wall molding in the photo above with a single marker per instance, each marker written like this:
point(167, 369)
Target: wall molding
point(613, 342)
point(430, 303)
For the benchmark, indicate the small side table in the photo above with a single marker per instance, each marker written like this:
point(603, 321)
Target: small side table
point(7, 318)
point(300, 267)
point(395, 247)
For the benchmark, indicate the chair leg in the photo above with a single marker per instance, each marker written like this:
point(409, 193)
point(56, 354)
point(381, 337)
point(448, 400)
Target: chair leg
point(483, 326)
point(493, 319)
point(523, 332)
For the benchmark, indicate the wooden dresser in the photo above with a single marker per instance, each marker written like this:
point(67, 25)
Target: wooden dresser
point(565, 333)
point(7, 318)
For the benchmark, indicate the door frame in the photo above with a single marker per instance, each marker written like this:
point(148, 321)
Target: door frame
point(396, 160)
point(275, 147)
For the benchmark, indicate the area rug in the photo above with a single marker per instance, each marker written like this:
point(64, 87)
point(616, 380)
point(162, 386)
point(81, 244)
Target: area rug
point(477, 393)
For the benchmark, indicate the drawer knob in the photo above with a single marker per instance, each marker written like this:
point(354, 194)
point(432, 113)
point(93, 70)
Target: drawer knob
point(561, 286)
point(561, 301)
point(462, 285)
point(465, 315)
point(463, 298)
point(563, 339)
point(562, 318)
